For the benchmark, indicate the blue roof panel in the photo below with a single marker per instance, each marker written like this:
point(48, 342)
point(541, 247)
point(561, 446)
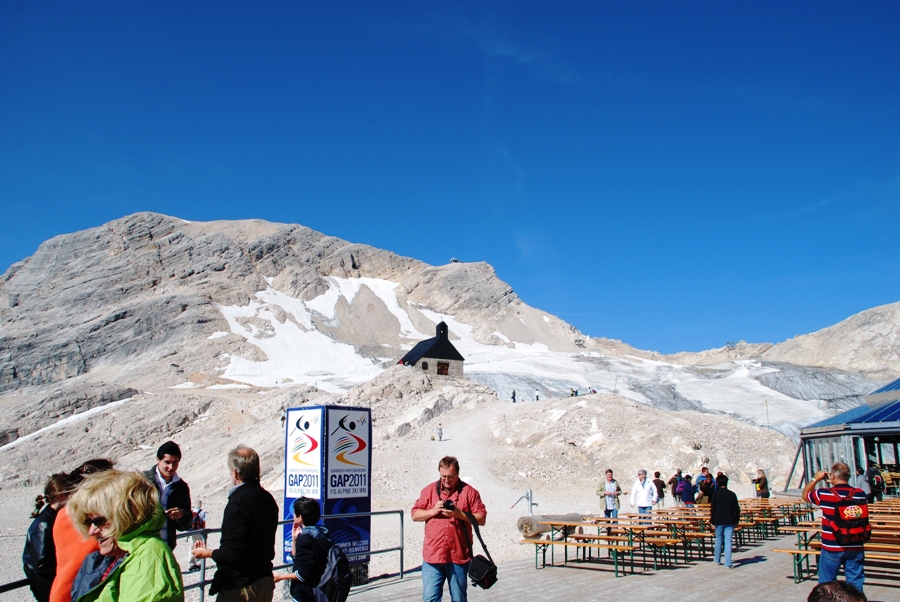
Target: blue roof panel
point(887, 413)
point(844, 417)
point(864, 414)
point(894, 386)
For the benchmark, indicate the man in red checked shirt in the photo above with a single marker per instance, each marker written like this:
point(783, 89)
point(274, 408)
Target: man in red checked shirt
point(447, 550)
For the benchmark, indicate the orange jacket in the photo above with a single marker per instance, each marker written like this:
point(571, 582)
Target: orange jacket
point(71, 550)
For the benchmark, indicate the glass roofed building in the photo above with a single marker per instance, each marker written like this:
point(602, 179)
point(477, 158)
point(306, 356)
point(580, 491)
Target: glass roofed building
point(869, 432)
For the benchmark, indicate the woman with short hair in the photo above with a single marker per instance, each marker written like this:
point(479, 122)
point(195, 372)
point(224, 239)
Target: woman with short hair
point(122, 511)
point(71, 547)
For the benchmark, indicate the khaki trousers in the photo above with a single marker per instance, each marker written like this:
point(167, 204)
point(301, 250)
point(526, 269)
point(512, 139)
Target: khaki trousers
point(260, 590)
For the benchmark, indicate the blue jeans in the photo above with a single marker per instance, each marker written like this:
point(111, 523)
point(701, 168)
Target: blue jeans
point(614, 513)
point(644, 509)
point(723, 532)
point(830, 562)
point(434, 575)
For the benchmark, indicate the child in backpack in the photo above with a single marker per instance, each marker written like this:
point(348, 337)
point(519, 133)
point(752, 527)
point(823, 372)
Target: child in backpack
point(309, 550)
point(687, 491)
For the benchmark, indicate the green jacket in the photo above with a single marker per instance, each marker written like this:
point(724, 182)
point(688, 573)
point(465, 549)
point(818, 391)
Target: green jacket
point(149, 572)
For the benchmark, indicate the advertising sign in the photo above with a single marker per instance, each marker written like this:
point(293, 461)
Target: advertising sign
point(349, 481)
point(328, 457)
point(304, 439)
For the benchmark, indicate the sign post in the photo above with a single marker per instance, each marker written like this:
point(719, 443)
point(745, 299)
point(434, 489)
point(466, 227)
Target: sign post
point(328, 457)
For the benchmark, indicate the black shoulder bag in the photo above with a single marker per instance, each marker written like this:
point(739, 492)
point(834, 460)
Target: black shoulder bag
point(482, 571)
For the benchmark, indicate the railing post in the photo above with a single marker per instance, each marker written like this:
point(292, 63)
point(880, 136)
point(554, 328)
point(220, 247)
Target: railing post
point(402, 545)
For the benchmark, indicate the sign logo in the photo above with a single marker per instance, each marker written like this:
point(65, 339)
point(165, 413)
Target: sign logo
point(304, 442)
point(348, 444)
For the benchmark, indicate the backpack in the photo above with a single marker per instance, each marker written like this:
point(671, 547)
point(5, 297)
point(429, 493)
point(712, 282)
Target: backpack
point(197, 523)
point(334, 586)
point(878, 482)
point(851, 520)
point(679, 488)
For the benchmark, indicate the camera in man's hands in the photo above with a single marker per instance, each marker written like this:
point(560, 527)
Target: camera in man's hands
point(448, 505)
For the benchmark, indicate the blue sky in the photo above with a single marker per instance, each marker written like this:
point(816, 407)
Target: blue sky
point(677, 175)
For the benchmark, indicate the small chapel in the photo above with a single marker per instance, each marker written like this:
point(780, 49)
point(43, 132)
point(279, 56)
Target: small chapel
point(436, 355)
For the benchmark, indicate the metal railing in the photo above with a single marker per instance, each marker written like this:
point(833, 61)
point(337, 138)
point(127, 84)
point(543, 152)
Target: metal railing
point(7, 587)
point(201, 585)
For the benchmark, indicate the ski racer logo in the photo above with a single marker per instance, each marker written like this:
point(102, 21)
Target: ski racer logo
point(347, 443)
point(304, 443)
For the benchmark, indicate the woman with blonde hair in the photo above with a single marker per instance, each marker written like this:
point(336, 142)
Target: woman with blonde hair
point(762, 484)
point(122, 511)
point(71, 547)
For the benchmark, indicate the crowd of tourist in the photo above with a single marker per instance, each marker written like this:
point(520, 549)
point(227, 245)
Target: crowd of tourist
point(107, 535)
point(725, 514)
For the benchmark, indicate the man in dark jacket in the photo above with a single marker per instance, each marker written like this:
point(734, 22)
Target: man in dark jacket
point(174, 494)
point(724, 514)
point(876, 483)
point(244, 557)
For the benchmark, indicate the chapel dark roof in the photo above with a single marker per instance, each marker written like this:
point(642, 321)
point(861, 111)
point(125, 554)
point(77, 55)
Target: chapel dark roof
point(438, 348)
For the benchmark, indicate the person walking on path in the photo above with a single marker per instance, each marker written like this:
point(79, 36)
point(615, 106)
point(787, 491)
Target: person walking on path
point(440, 432)
point(447, 548)
point(514, 396)
point(174, 493)
point(833, 554)
point(673, 486)
point(687, 491)
point(537, 395)
point(724, 514)
point(643, 493)
point(247, 546)
point(660, 490)
point(876, 483)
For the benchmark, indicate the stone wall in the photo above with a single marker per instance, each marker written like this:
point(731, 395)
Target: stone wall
point(429, 366)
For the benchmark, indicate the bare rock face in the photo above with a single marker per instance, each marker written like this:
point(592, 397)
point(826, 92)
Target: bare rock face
point(867, 343)
point(138, 299)
point(140, 288)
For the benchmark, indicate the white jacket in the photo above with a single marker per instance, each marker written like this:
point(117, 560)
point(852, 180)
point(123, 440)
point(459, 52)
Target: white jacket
point(643, 495)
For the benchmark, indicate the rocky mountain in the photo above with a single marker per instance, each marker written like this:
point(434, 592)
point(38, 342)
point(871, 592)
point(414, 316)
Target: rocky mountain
point(155, 303)
point(117, 338)
point(867, 343)
point(146, 292)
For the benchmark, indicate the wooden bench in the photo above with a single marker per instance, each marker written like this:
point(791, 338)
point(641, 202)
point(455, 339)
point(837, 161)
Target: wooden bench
point(615, 550)
point(663, 544)
point(800, 556)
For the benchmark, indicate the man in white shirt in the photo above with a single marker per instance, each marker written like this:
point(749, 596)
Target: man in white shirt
point(643, 493)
